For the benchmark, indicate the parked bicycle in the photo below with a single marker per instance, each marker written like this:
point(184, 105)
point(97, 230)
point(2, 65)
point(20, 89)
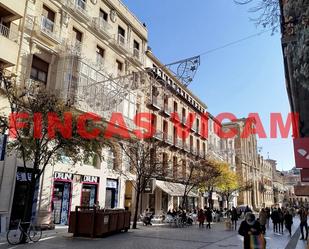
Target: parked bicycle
point(15, 236)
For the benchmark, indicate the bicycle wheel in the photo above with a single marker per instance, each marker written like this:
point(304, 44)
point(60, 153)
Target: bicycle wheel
point(14, 236)
point(34, 233)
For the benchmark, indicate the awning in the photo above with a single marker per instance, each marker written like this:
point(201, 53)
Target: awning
point(174, 189)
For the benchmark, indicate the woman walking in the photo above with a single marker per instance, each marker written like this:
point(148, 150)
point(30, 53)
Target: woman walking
point(251, 230)
point(201, 217)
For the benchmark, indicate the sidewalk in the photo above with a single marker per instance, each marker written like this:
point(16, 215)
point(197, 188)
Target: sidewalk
point(59, 230)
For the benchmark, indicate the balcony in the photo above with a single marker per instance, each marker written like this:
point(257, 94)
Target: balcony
point(48, 29)
point(9, 43)
point(79, 7)
point(154, 103)
point(167, 138)
point(186, 147)
point(14, 9)
point(177, 143)
point(166, 110)
point(100, 62)
point(102, 26)
point(158, 135)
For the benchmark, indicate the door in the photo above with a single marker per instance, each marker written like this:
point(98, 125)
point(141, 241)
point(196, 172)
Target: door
point(110, 198)
point(61, 202)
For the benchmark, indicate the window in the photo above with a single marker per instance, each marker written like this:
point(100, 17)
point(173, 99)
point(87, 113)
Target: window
point(39, 70)
point(121, 36)
point(165, 129)
point(175, 107)
point(184, 166)
point(136, 49)
point(119, 66)
point(191, 143)
point(48, 19)
point(198, 146)
point(110, 158)
point(165, 163)
point(81, 4)
point(77, 35)
point(121, 31)
point(136, 45)
point(103, 15)
point(100, 55)
point(175, 165)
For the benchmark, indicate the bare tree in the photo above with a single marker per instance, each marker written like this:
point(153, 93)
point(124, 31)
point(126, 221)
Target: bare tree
point(199, 174)
point(33, 143)
point(144, 164)
point(268, 12)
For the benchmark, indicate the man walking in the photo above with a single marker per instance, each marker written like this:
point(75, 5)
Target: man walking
point(275, 218)
point(234, 217)
point(303, 215)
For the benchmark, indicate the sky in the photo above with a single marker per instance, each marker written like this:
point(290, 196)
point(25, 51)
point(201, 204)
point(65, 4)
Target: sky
point(242, 78)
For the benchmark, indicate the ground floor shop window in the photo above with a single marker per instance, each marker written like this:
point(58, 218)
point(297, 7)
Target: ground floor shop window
point(61, 202)
point(89, 195)
point(111, 198)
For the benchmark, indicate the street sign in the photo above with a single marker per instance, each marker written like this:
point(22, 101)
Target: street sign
point(301, 152)
point(304, 175)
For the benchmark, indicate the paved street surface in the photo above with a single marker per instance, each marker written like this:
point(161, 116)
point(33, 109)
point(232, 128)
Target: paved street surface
point(155, 237)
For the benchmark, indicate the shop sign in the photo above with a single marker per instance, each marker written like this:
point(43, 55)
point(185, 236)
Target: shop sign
point(149, 187)
point(63, 176)
point(304, 174)
point(301, 152)
point(92, 179)
point(110, 183)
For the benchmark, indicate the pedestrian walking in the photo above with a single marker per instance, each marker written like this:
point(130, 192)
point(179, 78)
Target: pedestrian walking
point(303, 215)
point(281, 220)
point(288, 220)
point(251, 230)
point(263, 220)
point(201, 217)
point(275, 218)
point(234, 217)
point(208, 215)
point(268, 216)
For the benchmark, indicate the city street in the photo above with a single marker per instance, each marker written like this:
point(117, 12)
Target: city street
point(164, 237)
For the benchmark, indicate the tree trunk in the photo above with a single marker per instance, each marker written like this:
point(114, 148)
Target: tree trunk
point(138, 194)
point(28, 205)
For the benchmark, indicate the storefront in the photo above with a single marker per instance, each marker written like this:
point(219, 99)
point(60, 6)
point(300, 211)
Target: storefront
point(111, 198)
point(61, 200)
point(20, 196)
point(89, 195)
point(172, 196)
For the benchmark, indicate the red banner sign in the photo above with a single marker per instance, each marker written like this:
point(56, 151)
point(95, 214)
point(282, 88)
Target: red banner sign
point(301, 152)
point(304, 174)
